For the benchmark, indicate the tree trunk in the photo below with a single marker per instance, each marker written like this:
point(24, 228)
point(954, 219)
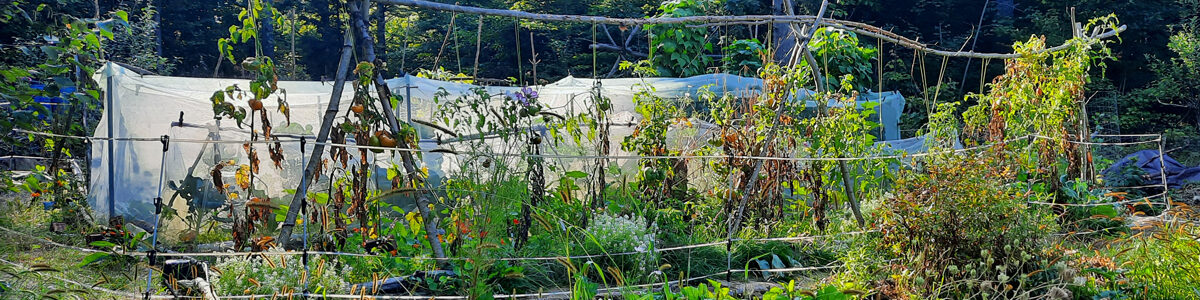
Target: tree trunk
point(783, 34)
point(380, 17)
point(268, 29)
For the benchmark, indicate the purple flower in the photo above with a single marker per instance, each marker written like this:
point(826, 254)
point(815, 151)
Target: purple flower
point(529, 92)
point(525, 97)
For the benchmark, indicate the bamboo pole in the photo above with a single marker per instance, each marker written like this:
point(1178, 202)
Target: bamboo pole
point(339, 83)
point(770, 138)
point(859, 28)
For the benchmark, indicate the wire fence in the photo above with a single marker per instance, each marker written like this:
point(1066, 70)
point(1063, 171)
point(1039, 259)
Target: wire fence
point(613, 157)
point(603, 291)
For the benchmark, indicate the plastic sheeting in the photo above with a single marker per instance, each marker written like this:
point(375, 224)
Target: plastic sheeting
point(147, 106)
point(1148, 161)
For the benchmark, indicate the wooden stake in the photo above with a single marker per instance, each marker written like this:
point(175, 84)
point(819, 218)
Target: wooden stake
point(339, 83)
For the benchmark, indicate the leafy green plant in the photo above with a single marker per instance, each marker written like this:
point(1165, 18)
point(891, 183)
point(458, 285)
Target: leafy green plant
point(840, 58)
point(702, 292)
point(1163, 257)
point(1177, 75)
point(1097, 217)
point(31, 283)
point(657, 179)
point(117, 252)
point(679, 50)
point(76, 44)
point(136, 44)
point(743, 57)
point(1041, 93)
point(791, 292)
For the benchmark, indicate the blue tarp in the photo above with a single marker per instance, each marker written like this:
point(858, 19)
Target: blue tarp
point(1148, 161)
point(51, 103)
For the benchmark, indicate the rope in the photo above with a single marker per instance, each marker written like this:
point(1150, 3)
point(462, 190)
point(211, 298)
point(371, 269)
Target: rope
point(124, 294)
point(1140, 200)
point(941, 79)
point(618, 157)
point(48, 241)
point(537, 258)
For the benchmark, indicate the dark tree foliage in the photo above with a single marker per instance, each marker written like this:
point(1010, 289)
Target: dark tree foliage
point(418, 39)
point(190, 30)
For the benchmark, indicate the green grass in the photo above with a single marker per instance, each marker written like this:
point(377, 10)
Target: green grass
point(60, 262)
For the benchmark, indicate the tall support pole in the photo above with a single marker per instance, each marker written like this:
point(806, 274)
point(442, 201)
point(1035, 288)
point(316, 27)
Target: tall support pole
point(1162, 170)
point(310, 169)
point(408, 98)
point(112, 174)
point(152, 254)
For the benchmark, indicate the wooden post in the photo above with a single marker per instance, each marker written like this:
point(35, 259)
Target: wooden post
point(736, 219)
point(314, 161)
point(847, 183)
point(1162, 170)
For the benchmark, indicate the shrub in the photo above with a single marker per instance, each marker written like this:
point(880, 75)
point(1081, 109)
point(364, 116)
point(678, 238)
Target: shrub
point(743, 57)
point(680, 50)
point(609, 234)
point(957, 218)
point(840, 57)
point(270, 274)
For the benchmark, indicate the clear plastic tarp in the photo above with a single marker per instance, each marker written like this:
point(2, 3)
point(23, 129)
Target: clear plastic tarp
point(148, 106)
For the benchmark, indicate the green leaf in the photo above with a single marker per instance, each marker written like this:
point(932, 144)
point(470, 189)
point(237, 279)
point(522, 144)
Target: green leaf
point(92, 40)
point(103, 244)
point(1104, 210)
point(123, 15)
point(576, 174)
point(94, 257)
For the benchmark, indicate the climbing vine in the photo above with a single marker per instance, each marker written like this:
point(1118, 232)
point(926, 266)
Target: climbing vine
point(263, 86)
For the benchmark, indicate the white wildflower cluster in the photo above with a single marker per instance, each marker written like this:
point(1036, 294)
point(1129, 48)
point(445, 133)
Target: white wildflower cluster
point(255, 275)
point(616, 234)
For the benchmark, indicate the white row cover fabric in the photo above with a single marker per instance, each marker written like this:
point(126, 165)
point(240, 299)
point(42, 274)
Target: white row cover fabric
point(146, 106)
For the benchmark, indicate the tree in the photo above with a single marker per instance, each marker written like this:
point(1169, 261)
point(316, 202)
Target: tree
point(136, 44)
point(1177, 76)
